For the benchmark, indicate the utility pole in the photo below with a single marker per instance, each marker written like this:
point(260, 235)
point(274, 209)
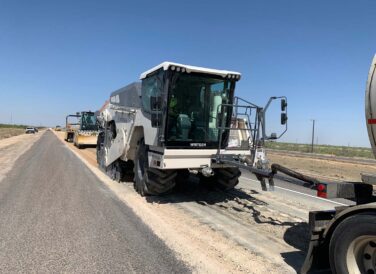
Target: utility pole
point(313, 133)
point(11, 118)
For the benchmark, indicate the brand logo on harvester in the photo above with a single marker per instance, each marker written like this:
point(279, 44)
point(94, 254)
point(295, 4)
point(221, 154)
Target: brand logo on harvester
point(197, 144)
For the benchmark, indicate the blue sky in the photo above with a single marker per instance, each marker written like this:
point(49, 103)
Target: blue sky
point(59, 57)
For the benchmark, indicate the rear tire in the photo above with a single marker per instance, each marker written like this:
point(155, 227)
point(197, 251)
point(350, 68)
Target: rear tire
point(100, 149)
point(223, 178)
point(151, 181)
point(352, 248)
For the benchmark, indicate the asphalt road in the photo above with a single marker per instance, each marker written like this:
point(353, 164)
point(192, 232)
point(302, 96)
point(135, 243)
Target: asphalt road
point(57, 217)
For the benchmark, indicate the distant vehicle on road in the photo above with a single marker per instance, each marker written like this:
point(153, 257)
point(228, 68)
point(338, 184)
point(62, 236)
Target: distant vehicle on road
point(36, 129)
point(30, 130)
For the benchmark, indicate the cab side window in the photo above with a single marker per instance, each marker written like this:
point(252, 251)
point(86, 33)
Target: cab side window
point(151, 86)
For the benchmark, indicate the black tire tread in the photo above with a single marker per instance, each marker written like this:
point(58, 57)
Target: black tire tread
point(344, 233)
point(224, 178)
point(155, 181)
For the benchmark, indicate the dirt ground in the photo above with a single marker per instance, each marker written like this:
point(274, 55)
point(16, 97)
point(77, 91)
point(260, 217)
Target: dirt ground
point(244, 231)
point(184, 228)
point(325, 169)
point(9, 132)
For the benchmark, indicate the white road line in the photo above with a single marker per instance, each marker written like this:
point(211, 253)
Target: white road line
point(301, 193)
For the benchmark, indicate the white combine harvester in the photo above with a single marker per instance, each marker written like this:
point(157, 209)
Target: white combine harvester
point(183, 119)
point(178, 121)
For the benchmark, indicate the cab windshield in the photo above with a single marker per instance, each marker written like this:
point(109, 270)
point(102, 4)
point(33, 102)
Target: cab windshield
point(194, 109)
point(89, 121)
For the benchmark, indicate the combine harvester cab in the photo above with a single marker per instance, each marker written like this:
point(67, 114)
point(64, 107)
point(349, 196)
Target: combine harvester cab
point(177, 122)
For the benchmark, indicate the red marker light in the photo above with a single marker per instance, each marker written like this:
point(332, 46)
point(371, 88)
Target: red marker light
point(321, 190)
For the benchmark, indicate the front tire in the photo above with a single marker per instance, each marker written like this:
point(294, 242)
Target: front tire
point(151, 181)
point(352, 248)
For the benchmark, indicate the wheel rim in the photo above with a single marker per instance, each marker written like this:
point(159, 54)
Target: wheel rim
point(361, 255)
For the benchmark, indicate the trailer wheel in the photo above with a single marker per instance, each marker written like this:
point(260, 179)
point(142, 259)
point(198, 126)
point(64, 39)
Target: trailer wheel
point(224, 178)
point(352, 247)
point(151, 181)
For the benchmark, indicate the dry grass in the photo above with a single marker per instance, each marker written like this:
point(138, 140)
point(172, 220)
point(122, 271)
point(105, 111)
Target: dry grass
point(323, 149)
point(9, 132)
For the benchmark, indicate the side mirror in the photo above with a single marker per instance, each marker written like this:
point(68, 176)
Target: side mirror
point(283, 104)
point(283, 118)
point(273, 136)
point(155, 103)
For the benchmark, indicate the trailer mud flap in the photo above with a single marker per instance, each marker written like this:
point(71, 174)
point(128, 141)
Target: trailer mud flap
point(317, 259)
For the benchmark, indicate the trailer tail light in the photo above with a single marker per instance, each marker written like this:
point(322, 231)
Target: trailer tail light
point(322, 191)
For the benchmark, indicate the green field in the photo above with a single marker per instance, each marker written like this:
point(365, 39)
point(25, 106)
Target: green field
point(323, 149)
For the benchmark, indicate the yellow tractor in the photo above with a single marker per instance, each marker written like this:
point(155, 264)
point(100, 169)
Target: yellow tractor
point(84, 132)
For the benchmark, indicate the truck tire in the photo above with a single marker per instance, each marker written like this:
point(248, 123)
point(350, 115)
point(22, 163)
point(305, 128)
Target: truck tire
point(114, 171)
point(100, 149)
point(224, 178)
point(352, 248)
point(151, 181)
